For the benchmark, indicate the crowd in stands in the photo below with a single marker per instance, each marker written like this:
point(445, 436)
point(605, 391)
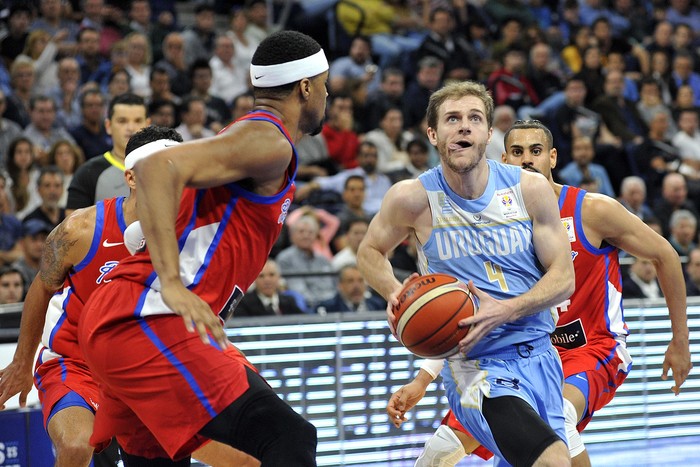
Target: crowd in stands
point(617, 82)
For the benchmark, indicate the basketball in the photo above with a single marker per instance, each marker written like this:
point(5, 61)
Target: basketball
point(429, 309)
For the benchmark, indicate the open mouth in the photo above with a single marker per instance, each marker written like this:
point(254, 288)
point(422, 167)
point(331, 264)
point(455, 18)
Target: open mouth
point(461, 144)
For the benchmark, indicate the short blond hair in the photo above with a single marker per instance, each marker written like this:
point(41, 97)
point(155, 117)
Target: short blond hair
point(457, 90)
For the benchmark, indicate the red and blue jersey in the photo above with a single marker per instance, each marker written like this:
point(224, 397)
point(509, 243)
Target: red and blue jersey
point(60, 337)
point(594, 311)
point(225, 235)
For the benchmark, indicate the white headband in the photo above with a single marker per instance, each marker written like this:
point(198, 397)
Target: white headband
point(146, 150)
point(270, 76)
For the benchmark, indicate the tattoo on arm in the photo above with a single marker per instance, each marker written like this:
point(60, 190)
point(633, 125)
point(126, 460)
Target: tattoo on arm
point(53, 269)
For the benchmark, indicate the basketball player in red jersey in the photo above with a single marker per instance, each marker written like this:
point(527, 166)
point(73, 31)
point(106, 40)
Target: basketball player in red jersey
point(77, 256)
point(210, 211)
point(591, 333)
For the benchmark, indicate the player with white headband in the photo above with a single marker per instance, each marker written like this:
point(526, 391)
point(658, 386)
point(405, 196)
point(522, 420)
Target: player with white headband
point(210, 210)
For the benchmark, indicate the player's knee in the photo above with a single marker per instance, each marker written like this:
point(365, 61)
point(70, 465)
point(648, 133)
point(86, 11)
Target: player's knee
point(444, 448)
point(576, 445)
point(556, 455)
point(74, 451)
point(304, 434)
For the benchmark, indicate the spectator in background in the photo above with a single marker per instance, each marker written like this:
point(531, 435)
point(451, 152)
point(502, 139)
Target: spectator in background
point(328, 227)
point(352, 295)
point(503, 119)
point(579, 41)
point(11, 285)
point(258, 27)
point(683, 74)
point(41, 49)
point(67, 157)
point(582, 167)
point(316, 283)
point(357, 65)
point(193, 115)
point(118, 59)
point(458, 58)
point(173, 62)
point(217, 111)
point(50, 189)
point(389, 94)
point(674, 196)
point(17, 32)
point(661, 72)
point(89, 58)
point(656, 156)
point(539, 72)
point(242, 44)
point(509, 84)
point(418, 157)
point(66, 95)
point(415, 99)
point(683, 11)
point(199, 39)
point(683, 226)
point(352, 208)
point(9, 130)
point(90, 134)
point(633, 195)
point(338, 132)
point(162, 113)
point(10, 228)
point(641, 281)
point(42, 130)
point(266, 298)
point(241, 105)
point(353, 236)
point(161, 87)
point(138, 65)
point(34, 233)
point(650, 103)
point(376, 184)
point(52, 22)
point(22, 81)
point(140, 21)
point(23, 172)
point(230, 76)
point(390, 139)
point(687, 142)
point(692, 272)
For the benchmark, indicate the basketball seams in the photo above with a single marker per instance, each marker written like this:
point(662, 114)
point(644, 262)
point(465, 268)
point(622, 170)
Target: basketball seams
point(445, 323)
point(420, 302)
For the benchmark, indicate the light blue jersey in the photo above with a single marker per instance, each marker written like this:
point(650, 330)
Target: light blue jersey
point(488, 240)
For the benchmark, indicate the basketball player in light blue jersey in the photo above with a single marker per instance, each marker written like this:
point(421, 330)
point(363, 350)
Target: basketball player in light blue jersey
point(496, 228)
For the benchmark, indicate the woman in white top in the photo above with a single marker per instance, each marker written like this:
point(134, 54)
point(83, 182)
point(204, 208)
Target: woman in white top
point(138, 64)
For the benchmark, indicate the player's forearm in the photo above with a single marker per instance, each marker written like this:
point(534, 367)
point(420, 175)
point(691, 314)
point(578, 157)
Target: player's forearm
point(555, 286)
point(377, 271)
point(672, 285)
point(32, 323)
point(159, 190)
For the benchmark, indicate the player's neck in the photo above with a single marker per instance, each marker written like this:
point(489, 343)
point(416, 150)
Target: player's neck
point(129, 208)
point(556, 187)
point(117, 153)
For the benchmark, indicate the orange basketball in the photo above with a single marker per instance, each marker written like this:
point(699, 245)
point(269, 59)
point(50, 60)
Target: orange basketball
point(429, 309)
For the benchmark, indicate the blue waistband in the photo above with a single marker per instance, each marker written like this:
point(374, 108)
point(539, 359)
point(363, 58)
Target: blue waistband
point(522, 350)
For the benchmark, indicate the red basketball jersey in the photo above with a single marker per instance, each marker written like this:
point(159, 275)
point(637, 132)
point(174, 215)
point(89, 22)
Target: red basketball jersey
point(106, 250)
point(225, 235)
point(594, 312)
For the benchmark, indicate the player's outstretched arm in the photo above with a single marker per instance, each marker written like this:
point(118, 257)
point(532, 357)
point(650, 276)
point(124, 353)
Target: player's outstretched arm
point(61, 248)
point(612, 222)
point(401, 208)
point(407, 397)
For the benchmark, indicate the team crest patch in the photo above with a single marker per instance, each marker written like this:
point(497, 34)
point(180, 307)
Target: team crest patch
point(285, 210)
point(508, 205)
point(568, 223)
point(445, 204)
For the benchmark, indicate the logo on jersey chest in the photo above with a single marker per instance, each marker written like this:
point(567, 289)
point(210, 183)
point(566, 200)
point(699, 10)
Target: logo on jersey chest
point(568, 223)
point(569, 336)
point(506, 202)
point(104, 270)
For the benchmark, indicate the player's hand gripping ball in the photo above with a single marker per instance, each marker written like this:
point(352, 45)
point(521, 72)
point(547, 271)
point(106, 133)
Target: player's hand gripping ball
point(429, 309)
